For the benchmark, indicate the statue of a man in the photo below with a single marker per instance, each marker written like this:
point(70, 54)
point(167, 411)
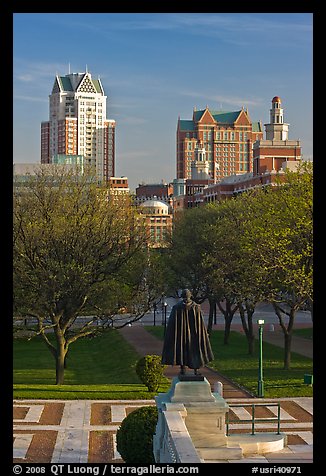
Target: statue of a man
point(186, 340)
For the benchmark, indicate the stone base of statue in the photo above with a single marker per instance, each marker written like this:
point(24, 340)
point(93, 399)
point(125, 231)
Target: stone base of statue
point(184, 377)
point(191, 427)
point(203, 415)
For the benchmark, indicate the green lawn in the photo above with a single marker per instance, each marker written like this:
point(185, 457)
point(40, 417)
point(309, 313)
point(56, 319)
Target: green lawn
point(104, 368)
point(233, 361)
point(307, 333)
point(97, 368)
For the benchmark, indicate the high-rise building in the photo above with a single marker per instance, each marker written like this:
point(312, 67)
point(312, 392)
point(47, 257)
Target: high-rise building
point(78, 125)
point(216, 144)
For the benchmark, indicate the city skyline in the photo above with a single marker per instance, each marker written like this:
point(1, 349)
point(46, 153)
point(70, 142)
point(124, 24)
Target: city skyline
point(155, 67)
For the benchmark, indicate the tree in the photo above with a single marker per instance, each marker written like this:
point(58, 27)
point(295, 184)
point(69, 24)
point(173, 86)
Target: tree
point(281, 239)
point(234, 276)
point(185, 258)
point(73, 249)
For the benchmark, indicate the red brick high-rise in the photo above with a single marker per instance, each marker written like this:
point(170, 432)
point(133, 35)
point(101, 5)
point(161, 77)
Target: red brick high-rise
point(219, 144)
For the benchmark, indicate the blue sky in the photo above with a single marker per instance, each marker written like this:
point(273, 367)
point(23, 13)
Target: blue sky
point(157, 66)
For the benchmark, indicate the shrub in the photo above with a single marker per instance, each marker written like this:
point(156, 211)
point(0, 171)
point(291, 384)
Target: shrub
point(150, 371)
point(135, 436)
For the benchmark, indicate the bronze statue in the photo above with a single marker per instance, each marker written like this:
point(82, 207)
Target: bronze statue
point(186, 340)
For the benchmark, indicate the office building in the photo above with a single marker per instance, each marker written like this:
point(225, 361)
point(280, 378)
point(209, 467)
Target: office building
point(78, 125)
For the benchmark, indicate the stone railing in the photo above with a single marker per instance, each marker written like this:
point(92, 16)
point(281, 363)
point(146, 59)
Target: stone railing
point(172, 442)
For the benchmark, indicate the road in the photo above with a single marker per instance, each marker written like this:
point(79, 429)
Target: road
point(263, 311)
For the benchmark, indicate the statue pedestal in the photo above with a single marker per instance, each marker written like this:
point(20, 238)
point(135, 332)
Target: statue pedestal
point(191, 427)
point(202, 411)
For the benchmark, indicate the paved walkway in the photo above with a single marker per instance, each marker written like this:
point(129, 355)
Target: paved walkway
point(84, 431)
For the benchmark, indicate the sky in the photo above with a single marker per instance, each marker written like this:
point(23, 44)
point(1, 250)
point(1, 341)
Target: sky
point(155, 67)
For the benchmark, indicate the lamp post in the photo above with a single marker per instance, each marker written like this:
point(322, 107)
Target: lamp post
point(154, 309)
point(162, 307)
point(260, 366)
point(165, 306)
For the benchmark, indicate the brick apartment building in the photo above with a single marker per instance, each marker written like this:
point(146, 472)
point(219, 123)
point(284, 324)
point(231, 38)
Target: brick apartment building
point(270, 158)
point(221, 141)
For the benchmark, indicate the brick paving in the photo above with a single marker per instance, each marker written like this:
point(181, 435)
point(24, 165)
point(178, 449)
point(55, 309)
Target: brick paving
point(83, 431)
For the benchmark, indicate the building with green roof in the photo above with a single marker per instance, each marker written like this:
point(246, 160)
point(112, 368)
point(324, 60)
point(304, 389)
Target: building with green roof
point(222, 139)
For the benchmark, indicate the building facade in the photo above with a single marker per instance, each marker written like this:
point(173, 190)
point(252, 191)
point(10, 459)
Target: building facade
point(158, 221)
point(270, 154)
point(220, 141)
point(270, 158)
point(154, 191)
point(78, 124)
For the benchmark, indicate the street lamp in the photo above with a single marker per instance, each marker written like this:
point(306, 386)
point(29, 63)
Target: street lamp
point(154, 309)
point(260, 366)
point(165, 306)
point(162, 306)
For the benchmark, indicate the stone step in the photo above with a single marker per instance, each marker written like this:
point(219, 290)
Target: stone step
point(259, 443)
point(220, 453)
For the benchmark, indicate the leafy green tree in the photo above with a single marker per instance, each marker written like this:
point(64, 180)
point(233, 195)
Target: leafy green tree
point(75, 249)
point(235, 277)
point(186, 256)
point(281, 240)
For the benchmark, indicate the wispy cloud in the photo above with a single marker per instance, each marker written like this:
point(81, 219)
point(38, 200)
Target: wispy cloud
point(224, 99)
point(225, 26)
point(31, 98)
point(28, 72)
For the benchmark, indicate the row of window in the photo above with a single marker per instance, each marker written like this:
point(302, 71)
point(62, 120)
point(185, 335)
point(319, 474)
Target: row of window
point(223, 135)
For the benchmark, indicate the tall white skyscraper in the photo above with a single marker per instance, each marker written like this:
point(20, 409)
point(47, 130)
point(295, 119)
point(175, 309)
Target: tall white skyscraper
point(78, 125)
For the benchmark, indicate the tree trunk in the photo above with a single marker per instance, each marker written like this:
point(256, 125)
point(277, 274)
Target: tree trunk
point(247, 325)
point(287, 350)
point(210, 315)
point(60, 367)
point(227, 330)
point(287, 330)
point(60, 358)
point(65, 362)
point(228, 314)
